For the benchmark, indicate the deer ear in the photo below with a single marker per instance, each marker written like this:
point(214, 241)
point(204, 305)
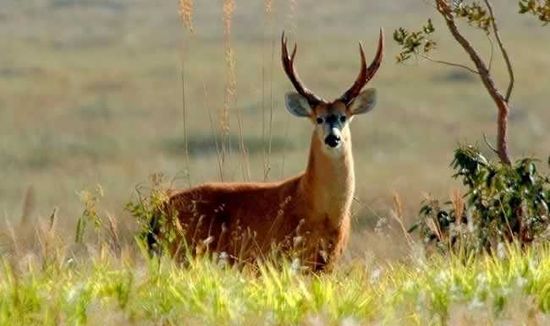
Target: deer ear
point(364, 102)
point(297, 104)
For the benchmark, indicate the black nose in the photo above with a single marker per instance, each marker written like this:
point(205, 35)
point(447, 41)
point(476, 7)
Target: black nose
point(332, 140)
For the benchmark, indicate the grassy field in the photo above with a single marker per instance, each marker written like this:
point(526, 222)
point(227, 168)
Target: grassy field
point(509, 289)
point(91, 93)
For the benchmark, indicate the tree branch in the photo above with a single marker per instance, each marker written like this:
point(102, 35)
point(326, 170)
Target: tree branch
point(458, 65)
point(492, 52)
point(484, 74)
point(489, 144)
point(502, 49)
point(443, 8)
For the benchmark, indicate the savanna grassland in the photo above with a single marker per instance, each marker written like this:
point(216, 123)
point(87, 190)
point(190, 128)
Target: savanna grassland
point(105, 92)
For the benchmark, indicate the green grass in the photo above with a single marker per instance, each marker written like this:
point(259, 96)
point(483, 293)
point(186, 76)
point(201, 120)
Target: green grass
point(108, 289)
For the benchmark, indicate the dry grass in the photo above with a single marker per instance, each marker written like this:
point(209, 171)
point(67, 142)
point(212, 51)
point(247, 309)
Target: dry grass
point(186, 13)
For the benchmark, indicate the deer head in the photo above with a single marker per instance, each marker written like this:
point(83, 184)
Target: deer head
point(332, 117)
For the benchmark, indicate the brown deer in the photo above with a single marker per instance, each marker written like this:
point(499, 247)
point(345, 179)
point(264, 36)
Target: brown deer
point(308, 215)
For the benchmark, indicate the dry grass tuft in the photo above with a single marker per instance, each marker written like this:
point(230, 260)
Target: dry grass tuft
point(458, 203)
point(29, 202)
point(268, 7)
point(398, 215)
point(186, 14)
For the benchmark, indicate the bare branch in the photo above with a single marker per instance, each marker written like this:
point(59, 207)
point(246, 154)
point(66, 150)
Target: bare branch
point(492, 52)
point(452, 64)
point(502, 49)
point(491, 146)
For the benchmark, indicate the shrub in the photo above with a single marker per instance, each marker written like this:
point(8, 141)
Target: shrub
point(149, 210)
point(502, 203)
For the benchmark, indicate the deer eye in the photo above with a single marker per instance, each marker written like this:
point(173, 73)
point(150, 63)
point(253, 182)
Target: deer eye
point(343, 119)
point(319, 120)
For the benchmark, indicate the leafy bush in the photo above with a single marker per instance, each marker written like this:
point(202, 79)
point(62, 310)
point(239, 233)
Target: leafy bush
point(149, 210)
point(502, 204)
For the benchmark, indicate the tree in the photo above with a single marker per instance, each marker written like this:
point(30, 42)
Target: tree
point(482, 16)
point(503, 202)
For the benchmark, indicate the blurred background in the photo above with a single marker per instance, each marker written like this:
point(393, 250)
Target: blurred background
point(91, 92)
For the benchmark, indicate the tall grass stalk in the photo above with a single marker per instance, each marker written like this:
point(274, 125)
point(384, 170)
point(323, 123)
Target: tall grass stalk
point(271, 103)
point(291, 26)
point(184, 121)
point(29, 202)
point(230, 98)
point(217, 140)
point(230, 80)
point(186, 14)
point(269, 19)
point(245, 163)
point(285, 148)
point(267, 35)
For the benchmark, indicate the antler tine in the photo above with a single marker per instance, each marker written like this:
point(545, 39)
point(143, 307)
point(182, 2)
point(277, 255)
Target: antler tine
point(288, 65)
point(366, 73)
point(377, 61)
point(360, 81)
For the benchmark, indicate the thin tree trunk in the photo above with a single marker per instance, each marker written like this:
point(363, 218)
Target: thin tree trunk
point(502, 132)
point(486, 78)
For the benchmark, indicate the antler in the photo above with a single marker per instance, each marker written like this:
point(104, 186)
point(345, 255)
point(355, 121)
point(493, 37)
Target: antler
point(365, 74)
point(288, 65)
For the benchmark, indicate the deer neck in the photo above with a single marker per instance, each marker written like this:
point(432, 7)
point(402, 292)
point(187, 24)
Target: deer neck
point(329, 180)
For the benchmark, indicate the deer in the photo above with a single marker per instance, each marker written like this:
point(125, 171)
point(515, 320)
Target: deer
point(307, 215)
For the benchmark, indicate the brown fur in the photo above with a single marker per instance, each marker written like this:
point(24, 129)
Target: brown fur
point(308, 213)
